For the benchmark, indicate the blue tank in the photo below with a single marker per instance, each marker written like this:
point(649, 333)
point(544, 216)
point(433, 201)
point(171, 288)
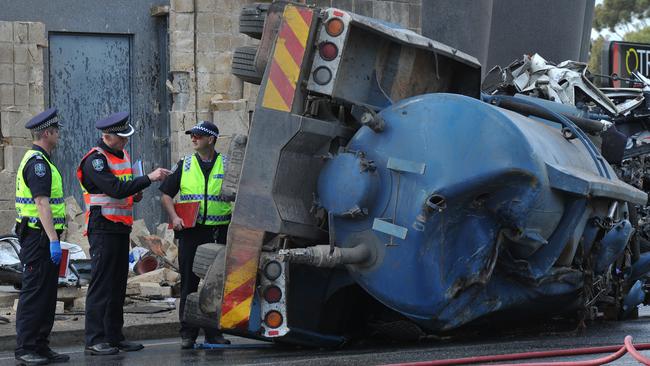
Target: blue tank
point(472, 210)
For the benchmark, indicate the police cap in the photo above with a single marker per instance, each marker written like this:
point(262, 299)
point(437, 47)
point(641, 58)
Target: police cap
point(44, 120)
point(117, 123)
point(204, 128)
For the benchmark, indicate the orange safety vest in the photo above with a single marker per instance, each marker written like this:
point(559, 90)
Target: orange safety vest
point(114, 209)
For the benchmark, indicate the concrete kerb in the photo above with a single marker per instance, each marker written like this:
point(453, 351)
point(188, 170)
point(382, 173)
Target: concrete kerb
point(70, 337)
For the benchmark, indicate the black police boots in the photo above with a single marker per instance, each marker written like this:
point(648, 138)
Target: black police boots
point(127, 346)
point(101, 349)
point(30, 359)
point(54, 357)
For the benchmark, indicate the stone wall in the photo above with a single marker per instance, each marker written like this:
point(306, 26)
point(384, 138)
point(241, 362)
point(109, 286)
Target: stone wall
point(203, 35)
point(21, 97)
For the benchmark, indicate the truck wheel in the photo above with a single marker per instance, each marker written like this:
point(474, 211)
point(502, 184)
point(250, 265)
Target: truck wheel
point(193, 315)
point(251, 20)
point(210, 294)
point(205, 255)
point(243, 65)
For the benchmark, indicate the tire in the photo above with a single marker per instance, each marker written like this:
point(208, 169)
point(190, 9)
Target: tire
point(205, 255)
point(251, 20)
point(210, 294)
point(192, 313)
point(243, 65)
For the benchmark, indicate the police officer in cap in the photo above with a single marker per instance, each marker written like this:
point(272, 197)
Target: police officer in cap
point(198, 177)
point(109, 190)
point(40, 207)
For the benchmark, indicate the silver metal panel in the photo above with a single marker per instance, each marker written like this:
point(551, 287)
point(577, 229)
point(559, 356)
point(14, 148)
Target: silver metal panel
point(406, 166)
point(389, 228)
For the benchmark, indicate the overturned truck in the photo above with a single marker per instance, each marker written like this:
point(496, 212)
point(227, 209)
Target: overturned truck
point(379, 194)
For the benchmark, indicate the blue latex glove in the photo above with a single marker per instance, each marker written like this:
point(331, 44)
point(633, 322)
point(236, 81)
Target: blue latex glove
point(55, 251)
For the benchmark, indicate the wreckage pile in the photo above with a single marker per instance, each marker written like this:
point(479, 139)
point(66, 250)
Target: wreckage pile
point(153, 281)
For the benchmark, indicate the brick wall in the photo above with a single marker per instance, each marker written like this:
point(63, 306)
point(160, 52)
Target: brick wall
point(21, 97)
point(203, 35)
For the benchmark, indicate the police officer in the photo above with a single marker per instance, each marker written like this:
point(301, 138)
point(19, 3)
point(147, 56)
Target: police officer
point(198, 177)
point(41, 219)
point(109, 190)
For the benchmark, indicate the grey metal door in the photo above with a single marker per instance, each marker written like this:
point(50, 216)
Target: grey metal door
point(89, 79)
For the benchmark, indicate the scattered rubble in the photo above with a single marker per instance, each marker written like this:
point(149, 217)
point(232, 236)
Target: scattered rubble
point(149, 292)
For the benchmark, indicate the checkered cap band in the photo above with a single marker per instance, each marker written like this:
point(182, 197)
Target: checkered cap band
point(53, 121)
point(120, 128)
point(200, 128)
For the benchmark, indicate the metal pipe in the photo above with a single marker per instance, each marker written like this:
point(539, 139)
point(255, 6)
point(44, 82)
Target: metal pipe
point(587, 125)
point(319, 255)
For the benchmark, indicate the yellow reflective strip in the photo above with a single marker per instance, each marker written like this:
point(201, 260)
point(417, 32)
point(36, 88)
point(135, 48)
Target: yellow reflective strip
point(238, 314)
point(297, 24)
point(273, 99)
point(240, 276)
point(286, 62)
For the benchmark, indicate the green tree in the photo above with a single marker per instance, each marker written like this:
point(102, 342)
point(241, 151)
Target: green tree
point(595, 54)
point(640, 36)
point(621, 15)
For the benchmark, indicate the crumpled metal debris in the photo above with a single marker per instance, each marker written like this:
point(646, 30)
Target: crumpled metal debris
point(565, 83)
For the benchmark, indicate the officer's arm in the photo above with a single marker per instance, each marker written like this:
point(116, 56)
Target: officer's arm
point(100, 175)
point(169, 188)
point(38, 177)
point(45, 215)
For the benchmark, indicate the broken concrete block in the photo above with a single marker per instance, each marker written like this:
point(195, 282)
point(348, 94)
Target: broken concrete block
point(154, 290)
point(70, 293)
point(79, 304)
point(60, 307)
point(7, 299)
point(138, 229)
point(159, 276)
point(72, 207)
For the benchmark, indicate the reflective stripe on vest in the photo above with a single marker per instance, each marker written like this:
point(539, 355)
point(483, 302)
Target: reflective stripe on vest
point(113, 209)
point(25, 203)
point(213, 210)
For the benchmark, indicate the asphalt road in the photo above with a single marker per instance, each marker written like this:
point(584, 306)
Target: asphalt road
point(167, 351)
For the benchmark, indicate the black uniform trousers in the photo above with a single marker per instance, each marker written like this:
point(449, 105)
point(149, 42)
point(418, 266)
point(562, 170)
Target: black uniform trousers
point(109, 253)
point(37, 303)
point(188, 241)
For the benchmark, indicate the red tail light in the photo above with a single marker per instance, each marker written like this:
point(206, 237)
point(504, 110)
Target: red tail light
point(272, 294)
point(328, 51)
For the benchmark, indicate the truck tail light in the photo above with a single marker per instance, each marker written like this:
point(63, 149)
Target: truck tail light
point(334, 27)
point(273, 270)
point(273, 319)
point(328, 51)
point(322, 75)
point(272, 294)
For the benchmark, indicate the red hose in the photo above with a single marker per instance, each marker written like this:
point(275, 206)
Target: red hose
point(617, 352)
point(632, 351)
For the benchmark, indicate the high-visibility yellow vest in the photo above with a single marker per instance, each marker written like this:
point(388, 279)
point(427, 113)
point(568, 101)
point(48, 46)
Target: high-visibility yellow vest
point(213, 210)
point(25, 204)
